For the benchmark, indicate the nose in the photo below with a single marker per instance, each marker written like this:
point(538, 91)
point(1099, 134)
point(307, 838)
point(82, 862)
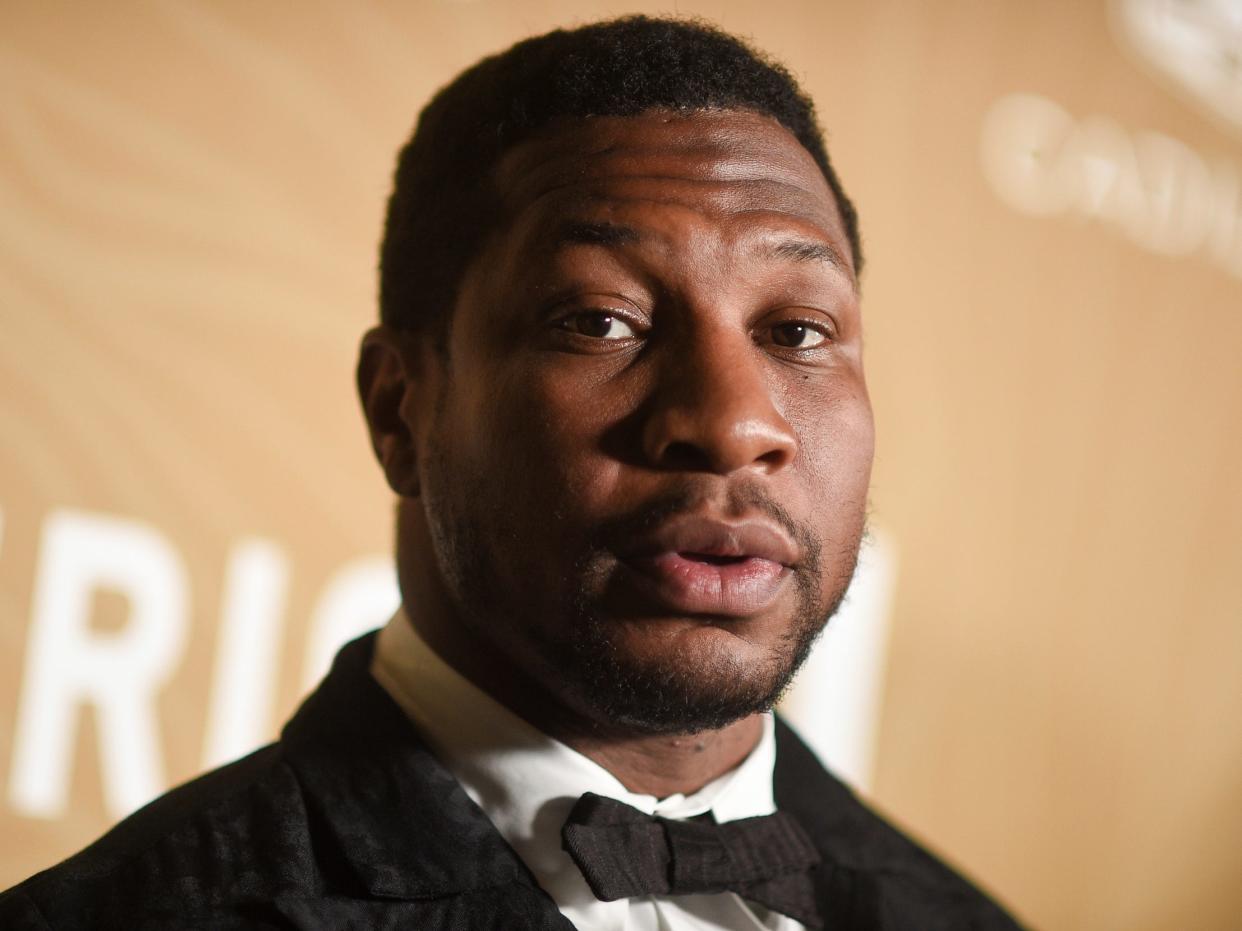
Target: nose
point(713, 410)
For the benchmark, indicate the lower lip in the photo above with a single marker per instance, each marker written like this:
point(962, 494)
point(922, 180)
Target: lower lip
point(690, 586)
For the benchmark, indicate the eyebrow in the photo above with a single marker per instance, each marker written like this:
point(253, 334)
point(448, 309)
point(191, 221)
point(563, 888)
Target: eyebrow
point(806, 250)
point(582, 233)
point(596, 234)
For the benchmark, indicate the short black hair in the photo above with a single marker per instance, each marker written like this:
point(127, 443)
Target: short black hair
point(443, 202)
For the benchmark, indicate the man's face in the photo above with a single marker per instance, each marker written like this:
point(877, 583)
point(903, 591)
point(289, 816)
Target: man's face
point(646, 473)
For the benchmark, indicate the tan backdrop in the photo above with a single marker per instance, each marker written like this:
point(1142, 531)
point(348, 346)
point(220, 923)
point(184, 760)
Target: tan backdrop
point(190, 197)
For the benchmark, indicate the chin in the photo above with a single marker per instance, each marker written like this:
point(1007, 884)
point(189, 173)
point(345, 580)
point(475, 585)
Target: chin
point(686, 681)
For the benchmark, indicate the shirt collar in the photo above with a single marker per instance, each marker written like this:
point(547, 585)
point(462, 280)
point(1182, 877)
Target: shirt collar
point(527, 782)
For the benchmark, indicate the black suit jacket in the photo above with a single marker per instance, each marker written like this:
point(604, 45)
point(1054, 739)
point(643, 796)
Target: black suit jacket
point(349, 822)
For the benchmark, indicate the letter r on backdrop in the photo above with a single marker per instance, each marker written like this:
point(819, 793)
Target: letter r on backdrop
point(119, 673)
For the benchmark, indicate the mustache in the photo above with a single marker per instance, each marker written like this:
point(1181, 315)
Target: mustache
point(736, 500)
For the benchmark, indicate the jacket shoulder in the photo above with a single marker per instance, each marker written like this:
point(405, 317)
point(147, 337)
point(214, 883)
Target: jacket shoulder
point(239, 832)
point(874, 875)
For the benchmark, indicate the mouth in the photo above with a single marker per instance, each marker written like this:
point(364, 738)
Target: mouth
point(713, 560)
point(699, 566)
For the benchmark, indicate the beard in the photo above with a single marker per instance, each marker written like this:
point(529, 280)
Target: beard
point(566, 643)
point(675, 693)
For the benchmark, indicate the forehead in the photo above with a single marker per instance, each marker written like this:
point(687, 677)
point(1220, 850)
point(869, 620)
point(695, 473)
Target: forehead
point(743, 171)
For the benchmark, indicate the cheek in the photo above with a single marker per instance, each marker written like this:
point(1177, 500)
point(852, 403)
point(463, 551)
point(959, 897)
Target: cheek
point(547, 432)
point(855, 446)
point(836, 438)
point(837, 451)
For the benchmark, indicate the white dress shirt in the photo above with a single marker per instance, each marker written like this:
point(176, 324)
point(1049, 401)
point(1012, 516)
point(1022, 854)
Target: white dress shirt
point(527, 782)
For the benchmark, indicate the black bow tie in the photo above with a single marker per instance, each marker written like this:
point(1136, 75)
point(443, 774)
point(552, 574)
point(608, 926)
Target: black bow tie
point(623, 852)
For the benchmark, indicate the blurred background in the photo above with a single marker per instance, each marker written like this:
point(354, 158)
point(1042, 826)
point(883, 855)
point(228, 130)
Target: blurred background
point(1041, 670)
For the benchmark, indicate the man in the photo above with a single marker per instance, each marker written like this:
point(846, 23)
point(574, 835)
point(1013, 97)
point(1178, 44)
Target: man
point(618, 391)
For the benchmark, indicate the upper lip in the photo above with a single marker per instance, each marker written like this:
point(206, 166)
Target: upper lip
point(706, 536)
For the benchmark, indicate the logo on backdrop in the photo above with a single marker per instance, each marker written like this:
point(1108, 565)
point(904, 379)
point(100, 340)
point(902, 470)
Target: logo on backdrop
point(1197, 44)
point(1155, 190)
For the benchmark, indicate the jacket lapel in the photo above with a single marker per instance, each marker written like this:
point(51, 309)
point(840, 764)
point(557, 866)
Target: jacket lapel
point(873, 877)
point(385, 808)
point(856, 845)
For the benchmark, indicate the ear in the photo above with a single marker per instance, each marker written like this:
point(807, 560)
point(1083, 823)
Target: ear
point(392, 385)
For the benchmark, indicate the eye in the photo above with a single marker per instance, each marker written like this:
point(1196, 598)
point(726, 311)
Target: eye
point(598, 324)
point(797, 335)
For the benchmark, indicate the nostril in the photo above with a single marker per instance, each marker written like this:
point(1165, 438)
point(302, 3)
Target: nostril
point(683, 455)
point(775, 458)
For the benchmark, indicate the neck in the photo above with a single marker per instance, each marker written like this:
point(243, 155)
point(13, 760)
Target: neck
point(647, 764)
point(663, 766)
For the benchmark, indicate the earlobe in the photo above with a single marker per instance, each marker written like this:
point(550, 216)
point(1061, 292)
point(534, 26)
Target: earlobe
point(387, 376)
